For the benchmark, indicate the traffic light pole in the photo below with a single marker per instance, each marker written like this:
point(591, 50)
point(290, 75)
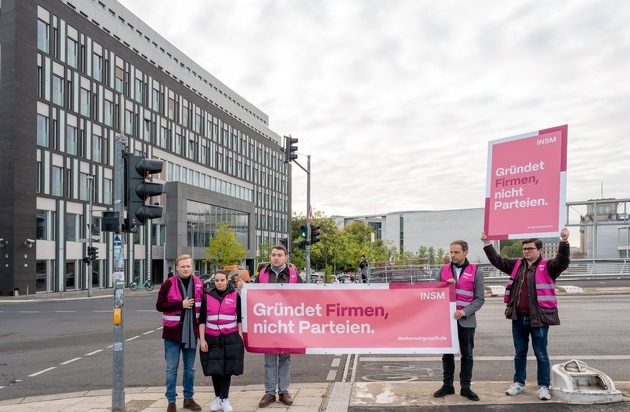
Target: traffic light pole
point(309, 216)
point(88, 275)
point(118, 361)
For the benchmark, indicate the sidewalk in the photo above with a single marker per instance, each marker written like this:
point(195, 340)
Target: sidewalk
point(308, 397)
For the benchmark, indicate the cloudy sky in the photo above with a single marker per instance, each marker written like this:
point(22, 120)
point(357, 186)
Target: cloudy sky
point(396, 100)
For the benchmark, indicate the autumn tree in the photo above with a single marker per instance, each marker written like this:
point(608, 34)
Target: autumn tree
point(224, 249)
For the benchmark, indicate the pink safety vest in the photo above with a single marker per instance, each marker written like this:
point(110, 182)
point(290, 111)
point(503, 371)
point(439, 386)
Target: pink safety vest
point(221, 315)
point(545, 285)
point(172, 319)
point(263, 276)
point(465, 286)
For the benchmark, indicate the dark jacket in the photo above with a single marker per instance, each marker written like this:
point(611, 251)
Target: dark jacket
point(226, 353)
point(538, 316)
point(283, 277)
point(163, 305)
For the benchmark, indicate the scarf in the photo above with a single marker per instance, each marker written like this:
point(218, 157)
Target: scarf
point(188, 325)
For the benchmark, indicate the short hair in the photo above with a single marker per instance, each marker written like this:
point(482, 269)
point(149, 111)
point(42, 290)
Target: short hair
point(182, 257)
point(535, 241)
point(220, 272)
point(363, 256)
point(462, 243)
point(280, 247)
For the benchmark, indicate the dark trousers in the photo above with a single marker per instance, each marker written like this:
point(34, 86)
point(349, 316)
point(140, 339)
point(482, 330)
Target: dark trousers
point(466, 337)
point(221, 385)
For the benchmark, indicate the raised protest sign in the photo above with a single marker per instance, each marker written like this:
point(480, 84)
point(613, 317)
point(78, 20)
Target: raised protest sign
point(361, 318)
point(526, 185)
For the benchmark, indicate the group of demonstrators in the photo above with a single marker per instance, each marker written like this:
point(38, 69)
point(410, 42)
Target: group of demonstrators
point(531, 305)
point(208, 322)
point(211, 319)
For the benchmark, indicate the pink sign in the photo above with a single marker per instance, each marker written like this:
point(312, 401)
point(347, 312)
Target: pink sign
point(395, 318)
point(526, 185)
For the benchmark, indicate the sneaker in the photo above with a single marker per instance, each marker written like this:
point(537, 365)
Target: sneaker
point(443, 391)
point(216, 404)
point(515, 389)
point(543, 393)
point(225, 405)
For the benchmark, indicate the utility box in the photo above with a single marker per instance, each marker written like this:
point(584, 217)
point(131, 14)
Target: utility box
point(576, 382)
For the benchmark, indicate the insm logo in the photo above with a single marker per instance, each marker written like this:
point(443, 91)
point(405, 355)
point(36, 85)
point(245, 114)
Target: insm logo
point(432, 295)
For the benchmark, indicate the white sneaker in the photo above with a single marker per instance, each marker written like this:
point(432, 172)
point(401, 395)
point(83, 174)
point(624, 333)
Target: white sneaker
point(225, 405)
point(543, 393)
point(515, 389)
point(216, 404)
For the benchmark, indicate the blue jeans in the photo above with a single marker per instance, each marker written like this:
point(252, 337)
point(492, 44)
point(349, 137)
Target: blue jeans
point(277, 371)
point(521, 329)
point(172, 350)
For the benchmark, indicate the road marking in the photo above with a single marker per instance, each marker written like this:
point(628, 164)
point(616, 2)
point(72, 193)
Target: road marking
point(135, 337)
point(332, 374)
point(145, 310)
point(65, 311)
point(492, 358)
point(69, 361)
point(94, 353)
point(28, 311)
point(103, 311)
point(146, 333)
point(40, 372)
point(335, 363)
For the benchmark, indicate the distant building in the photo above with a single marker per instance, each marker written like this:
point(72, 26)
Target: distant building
point(603, 226)
point(75, 73)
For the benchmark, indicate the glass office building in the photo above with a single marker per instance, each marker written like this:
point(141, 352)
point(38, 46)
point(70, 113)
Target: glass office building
point(74, 75)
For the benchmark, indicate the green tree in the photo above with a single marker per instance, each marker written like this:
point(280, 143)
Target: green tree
point(264, 251)
point(511, 248)
point(224, 249)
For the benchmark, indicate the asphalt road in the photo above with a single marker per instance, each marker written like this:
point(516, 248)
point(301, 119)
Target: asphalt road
point(65, 346)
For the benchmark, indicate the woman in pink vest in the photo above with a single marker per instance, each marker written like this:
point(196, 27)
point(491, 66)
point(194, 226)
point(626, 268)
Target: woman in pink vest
point(221, 348)
point(179, 300)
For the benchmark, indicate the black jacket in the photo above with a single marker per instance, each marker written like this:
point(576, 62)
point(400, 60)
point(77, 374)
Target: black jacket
point(538, 316)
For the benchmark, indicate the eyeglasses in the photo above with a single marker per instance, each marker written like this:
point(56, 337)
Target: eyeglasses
point(528, 249)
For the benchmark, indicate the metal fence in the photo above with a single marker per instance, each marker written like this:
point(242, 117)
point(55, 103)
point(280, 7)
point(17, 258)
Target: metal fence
point(414, 271)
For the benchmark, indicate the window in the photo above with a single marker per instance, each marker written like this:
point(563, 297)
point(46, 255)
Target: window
point(43, 137)
point(84, 102)
point(139, 90)
point(107, 191)
point(179, 143)
point(39, 184)
point(84, 187)
point(119, 79)
point(72, 140)
point(163, 139)
point(73, 52)
point(108, 112)
point(171, 108)
point(43, 34)
point(97, 67)
point(41, 230)
point(97, 148)
point(71, 227)
point(129, 122)
point(57, 90)
point(57, 181)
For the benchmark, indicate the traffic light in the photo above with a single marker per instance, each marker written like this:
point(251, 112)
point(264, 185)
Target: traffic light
point(284, 242)
point(303, 232)
point(289, 149)
point(137, 190)
point(92, 254)
point(300, 245)
point(314, 234)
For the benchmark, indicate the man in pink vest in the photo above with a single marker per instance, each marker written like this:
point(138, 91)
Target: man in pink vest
point(530, 296)
point(277, 366)
point(469, 296)
point(179, 300)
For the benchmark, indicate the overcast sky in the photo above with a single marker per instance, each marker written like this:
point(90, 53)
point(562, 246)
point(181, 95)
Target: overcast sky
point(396, 100)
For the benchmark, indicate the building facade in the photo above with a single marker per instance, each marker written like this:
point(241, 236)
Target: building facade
point(74, 74)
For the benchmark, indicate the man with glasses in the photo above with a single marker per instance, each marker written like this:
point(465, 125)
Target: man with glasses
point(530, 296)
